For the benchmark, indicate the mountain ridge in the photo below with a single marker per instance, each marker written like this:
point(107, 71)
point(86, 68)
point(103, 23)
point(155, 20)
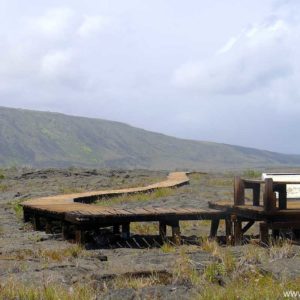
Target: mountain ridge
point(48, 139)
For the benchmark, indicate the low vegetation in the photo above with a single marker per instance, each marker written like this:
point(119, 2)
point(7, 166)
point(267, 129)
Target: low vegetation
point(252, 174)
point(3, 187)
point(138, 197)
point(228, 273)
point(17, 207)
point(13, 290)
point(48, 255)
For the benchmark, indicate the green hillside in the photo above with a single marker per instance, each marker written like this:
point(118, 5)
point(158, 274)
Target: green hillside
point(44, 139)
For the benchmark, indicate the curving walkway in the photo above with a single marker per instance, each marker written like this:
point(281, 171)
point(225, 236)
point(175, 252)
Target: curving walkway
point(73, 209)
point(69, 201)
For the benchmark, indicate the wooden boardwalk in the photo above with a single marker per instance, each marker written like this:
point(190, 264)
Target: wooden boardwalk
point(268, 205)
point(71, 210)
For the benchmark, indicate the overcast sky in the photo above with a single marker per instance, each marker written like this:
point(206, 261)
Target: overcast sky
point(217, 70)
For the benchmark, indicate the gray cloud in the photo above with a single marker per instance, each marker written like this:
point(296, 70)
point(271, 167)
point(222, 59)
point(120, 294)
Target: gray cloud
point(213, 70)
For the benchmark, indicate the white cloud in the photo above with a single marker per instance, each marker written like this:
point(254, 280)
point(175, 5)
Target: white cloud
point(55, 22)
point(55, 63)
point(94, 24)
point(251, 61)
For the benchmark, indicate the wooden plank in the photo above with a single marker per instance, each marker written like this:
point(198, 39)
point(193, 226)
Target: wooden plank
point(239, 191)
point(214, 227)
point(256, 195)
point(228, 229)
point(176, 235)
point(269, 196)
point(264, 234)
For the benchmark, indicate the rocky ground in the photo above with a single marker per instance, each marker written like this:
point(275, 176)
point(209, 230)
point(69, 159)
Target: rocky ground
point(140, 268)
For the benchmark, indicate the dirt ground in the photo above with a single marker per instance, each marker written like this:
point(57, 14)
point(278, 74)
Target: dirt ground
point(36, 258)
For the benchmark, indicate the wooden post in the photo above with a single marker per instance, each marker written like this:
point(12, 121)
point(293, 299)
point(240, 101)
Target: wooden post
point(125, 230)
point(176, 233)
point(48, 228)
point(162, 230)
point(214, 228)
point(269, 196)
point(282, 197)
point(228, 228)
point(239, 191)
point(275, 233)
point(80, 235)
point(238, 232)
point(36, 222)
point(65, 230)
point(264, 233)
point(26, 215)
point(256, 195)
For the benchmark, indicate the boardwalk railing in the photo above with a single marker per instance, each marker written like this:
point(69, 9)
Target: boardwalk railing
point(272, 210)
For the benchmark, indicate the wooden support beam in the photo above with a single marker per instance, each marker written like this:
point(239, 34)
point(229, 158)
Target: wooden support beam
point(176, 235)
point(264, 233)
point(269, 195)
point(275, 233)
point(125, 230)
point(237, 230)
point(37, 222)
point(214, 228)
point(80, 236)
point(239, 191)
point(228, 229)
point(48, 227)
point(26, 215)
point(256, 195)
point(162, 230)
point(248, 226)
point(65, 228)
point(282, 197)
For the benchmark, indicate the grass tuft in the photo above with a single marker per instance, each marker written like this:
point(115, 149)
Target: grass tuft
point(138, 197)
point(13, 290)
point(252, 174)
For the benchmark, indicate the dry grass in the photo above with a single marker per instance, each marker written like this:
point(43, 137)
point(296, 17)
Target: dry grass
point(184, 271)
point(139, 282)
point(253, 174)
point(138, 197)
point(224, 182)
point(49, 255)
point(144, 228)
point(71, 189)
point(13, 290)
point(250, 286)
point(168, 248)
point(281, 248)
point(3, 187)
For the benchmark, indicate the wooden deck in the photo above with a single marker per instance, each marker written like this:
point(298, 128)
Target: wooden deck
point(71, 210)
point(271, 208)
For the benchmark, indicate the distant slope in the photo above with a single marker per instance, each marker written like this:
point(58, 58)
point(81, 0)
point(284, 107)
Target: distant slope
point(44, 139)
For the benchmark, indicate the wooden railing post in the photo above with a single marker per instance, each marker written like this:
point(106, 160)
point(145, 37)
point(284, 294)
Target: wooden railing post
point(239, 191)
point(282, 197)
point(256, 195)
point(269, 195)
